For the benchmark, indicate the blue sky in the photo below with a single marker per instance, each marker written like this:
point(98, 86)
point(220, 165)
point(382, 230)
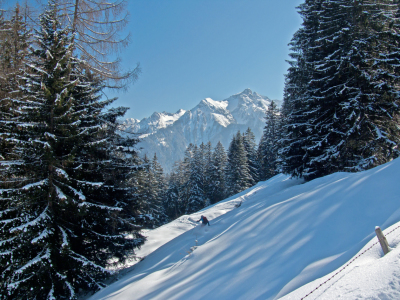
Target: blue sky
point(192, 49)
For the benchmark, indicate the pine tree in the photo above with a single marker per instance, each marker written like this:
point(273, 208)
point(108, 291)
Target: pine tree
point(218, 181)
point(65, 215)
point(14, 37)
point(150, 189)
point(14, 41)
point(146, 194)
point(185, 172)
point(196, 196)
point(159, 186)
point(173, 203)
point(208, 170)
point(249, 143)
point(269, 144)
point(238, 173)
point(295, 103)
point(205, 161)
point(345, 117)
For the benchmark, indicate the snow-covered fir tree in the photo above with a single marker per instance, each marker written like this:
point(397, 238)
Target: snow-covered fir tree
point(146, 193)
point(341, 90)
point(250, 145)
point(218, 183)
point(14, 42)
point(190, 183)
point(206, 175)
point(150, 191)
point(269, 144)
point(295, 105)
point(196, 198)
point(173, 201)
point(238, 173)
point(159, 178)
point(207, 169)
point(64, 216)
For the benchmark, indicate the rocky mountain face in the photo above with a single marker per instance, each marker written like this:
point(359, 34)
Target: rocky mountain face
point(168, 134)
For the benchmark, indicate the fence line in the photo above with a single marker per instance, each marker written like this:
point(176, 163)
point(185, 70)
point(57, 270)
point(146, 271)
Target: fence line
point(369, 248)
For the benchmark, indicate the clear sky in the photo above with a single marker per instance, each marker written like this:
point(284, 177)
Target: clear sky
point(192, 49)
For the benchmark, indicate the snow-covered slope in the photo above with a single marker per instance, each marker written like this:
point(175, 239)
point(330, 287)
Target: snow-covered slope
point(370, 276)
point(285, 234)
point(168, 135)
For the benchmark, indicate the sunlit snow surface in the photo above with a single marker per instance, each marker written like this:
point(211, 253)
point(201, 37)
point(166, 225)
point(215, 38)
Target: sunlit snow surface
point(285, 235)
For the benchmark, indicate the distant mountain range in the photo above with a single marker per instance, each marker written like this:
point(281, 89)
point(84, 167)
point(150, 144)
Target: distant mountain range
point(168, 134)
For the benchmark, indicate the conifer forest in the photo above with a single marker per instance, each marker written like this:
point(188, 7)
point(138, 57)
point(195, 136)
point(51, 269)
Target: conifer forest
point(75, 194)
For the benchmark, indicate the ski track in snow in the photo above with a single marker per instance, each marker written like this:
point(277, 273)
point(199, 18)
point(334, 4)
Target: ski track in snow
point(284, 240)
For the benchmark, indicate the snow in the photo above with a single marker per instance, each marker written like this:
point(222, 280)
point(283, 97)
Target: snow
point(65, 237)
point(284, 240)
point(104, 207)
point(50, 135)
point(90, 183)
point(214, 104)
point(62, 173)
point(85, 262)
point(44, 234)
point(43, 216)
point(221, 119)
point(168, 134)
point(34, 261)
point(34, 185)
point(77, 193)
point(60, 194)
point(149, 125)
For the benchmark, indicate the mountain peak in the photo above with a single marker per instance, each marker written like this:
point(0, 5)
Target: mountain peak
point(247, 92)
point(211, 120)
point(210, 104)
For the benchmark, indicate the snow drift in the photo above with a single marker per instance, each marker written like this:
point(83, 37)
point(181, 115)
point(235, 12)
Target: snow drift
point(284, 235)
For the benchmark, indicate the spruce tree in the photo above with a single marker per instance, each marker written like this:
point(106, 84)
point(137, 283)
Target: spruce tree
point(249, 143)
point(238, 173)
point(14, 41)
point(269, 144)
point(146, 193)
point(345, 118)
point(173, 203)
point(159, 186)
point(218, 181)
point(196, 196)
point(296, 94)
point(208, 170)
point(150, 189)
point(185, 172)
point(65, 216)
point(204, 167)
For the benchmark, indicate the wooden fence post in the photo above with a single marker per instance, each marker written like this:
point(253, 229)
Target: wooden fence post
point(382, 240)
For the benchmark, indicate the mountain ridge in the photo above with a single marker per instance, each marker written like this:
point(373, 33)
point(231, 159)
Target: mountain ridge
point(168, 134)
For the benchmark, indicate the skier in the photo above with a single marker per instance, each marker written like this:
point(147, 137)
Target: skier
point(204, 221)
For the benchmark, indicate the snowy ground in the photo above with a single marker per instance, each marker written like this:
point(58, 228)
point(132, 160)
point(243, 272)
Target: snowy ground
point(286, 237)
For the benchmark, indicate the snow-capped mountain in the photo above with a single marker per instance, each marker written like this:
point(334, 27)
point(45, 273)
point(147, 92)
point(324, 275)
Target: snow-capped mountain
point(153, 123)
point(168, 134)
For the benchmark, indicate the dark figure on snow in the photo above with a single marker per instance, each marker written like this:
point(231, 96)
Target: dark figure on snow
point(204, 221)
